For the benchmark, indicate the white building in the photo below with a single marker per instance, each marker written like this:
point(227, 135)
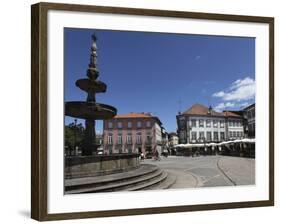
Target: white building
point(201, 124)
point(249, 115)
point(173, 139)
point(158, 138)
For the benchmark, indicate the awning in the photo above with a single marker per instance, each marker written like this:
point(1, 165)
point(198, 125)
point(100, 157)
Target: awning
point(194, 145)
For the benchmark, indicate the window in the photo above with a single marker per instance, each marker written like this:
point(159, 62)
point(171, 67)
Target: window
point(129, 139)
point(209, 136)
point(241, 134)
point(129, 124)
point(208, 123)
point(193, 123)
point(201, 135)
point(182, 135)
point(119, 139)
point(201, 123)
point(215, 124)
point(194, 135)
point(234, 134)
point(120, 149)
point(148, 138)
point(230, 134)
point(110, 149)
point(110, 125)
point(119, 124)
point(139, 138)
point(222, 136)
point(148, 124)
point(109, 139)
point(216, 136)
point(222, 124)
point(230, 123)
point(252, 127)
point(238, 134)
point(249, 114)
point(253, 113)
point(139, 124)
point(182, 122)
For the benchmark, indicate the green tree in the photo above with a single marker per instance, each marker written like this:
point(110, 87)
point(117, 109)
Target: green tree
point(73, 135)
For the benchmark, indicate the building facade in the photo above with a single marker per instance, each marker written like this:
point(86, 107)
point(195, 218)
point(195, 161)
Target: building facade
point(165, 142)
point(250, 117)
point(200, 124)
point(173, 141)
point(132, 133)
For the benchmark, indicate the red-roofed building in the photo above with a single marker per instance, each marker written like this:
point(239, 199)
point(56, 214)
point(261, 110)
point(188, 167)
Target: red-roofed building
point(132, 133)
point(202, 124)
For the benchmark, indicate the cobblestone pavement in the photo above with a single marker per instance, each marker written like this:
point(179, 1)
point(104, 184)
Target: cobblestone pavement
point(208, 171)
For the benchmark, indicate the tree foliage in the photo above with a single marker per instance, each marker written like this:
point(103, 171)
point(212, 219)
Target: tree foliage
point(73, 135)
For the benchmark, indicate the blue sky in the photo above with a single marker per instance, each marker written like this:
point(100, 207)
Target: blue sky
point(162, 73)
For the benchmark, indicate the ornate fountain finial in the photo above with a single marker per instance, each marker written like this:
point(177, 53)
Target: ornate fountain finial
point(93, 72)
point(94, 37)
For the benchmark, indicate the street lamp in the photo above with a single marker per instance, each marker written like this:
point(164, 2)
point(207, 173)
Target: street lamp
point(205, 149)
point(75, 130)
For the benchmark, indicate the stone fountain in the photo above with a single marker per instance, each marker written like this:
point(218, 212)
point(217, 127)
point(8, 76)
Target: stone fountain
point(90, 110)
point(90, 164)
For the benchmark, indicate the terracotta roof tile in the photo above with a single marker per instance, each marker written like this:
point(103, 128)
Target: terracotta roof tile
point(199, 109)
point(231, 114)
point(138, 115)
point(134, 115)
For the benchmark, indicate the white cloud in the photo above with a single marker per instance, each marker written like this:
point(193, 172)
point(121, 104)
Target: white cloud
point(242, 82)
point(219, 94)
point(240, 90)
point(230, 105)
point(222, 106)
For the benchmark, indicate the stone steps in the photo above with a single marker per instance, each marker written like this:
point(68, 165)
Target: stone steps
point(151, 182)
point(72, 184)
point(147, 176)
point(169, 181)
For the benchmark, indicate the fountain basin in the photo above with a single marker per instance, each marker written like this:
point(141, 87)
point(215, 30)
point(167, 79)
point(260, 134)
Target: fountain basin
point(89, 110)
point(89, 85)
point(96, 165)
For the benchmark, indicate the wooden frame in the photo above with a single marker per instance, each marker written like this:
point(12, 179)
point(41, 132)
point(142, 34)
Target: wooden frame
point(39, 110)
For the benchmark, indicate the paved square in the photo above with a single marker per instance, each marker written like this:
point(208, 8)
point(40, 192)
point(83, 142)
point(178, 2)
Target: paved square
point(208, 171)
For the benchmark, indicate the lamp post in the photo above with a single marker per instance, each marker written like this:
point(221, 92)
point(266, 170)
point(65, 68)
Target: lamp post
point(205, 149)
point(75, 139)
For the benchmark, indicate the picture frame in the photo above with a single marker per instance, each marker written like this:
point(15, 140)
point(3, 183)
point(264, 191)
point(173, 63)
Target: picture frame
point(40, 112)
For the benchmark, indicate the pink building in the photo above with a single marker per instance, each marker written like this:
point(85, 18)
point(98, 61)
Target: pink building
point(132, 133)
